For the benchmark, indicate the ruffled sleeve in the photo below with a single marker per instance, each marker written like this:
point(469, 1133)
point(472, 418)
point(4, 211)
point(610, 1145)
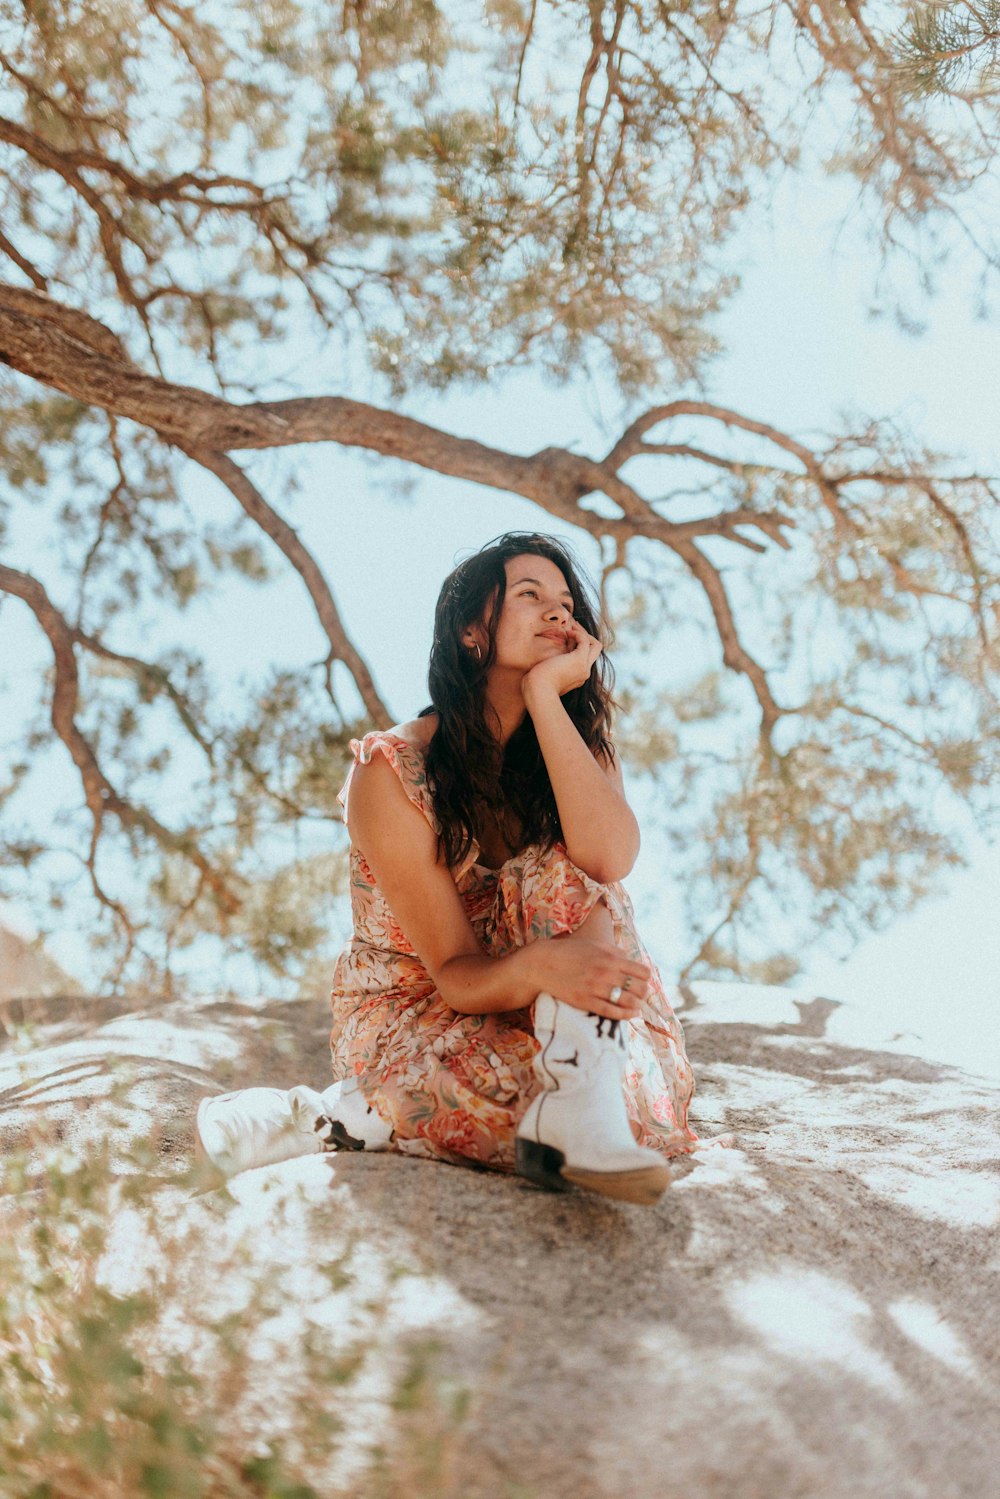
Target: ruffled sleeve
point(406, 761)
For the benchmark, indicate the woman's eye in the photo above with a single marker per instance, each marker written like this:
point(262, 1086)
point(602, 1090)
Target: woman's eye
point(533, 593)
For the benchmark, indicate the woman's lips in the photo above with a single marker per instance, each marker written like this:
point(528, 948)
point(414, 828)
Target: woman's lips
point(552, 635)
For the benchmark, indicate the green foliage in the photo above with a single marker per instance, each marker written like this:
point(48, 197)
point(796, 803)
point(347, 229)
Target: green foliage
point(398, 186)
point(256, 199)
point(948, 48)
point(838, 824)
point(146, 1394)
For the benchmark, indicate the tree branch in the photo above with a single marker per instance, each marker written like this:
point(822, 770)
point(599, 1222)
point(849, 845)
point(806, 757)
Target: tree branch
point(100, 796)
point(201, 424)
point(32, 272)
point(305, 564)
point(151, 673)
point(72, 354)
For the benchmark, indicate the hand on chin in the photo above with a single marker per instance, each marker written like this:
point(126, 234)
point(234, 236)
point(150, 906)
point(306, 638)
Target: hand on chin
point(562, 670)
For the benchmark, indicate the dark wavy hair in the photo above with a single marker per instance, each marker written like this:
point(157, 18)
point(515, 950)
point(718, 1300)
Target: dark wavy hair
point(467, 768)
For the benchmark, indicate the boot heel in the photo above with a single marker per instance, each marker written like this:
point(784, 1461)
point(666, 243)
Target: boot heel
point(541, 1164)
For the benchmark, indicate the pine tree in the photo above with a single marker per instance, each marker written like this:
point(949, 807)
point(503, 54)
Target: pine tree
point(235, 229)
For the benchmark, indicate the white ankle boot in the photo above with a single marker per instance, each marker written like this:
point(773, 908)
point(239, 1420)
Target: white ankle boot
point(353, 1123)
point(577, 1129)
point(261, 1126)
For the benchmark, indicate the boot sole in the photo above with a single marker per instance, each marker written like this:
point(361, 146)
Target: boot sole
point(202, 1159)
point(647, 1185)
point(546, 1167)
point(206, 1174)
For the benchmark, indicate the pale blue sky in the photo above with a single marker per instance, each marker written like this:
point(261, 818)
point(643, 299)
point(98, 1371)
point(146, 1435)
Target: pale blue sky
point(934, 973)
point(800, 349)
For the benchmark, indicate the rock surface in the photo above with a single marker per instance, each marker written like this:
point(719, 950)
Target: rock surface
point(26, 968)
point(811, 1314)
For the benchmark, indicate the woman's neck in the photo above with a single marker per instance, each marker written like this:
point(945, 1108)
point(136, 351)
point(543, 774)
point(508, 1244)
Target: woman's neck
point(505, 704)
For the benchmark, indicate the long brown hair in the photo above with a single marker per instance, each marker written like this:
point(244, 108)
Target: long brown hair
point(467, 769)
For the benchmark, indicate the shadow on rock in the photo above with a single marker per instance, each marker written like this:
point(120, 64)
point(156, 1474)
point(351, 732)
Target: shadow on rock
point(812, 1314)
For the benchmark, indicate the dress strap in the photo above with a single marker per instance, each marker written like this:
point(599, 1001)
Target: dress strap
point(406, 760)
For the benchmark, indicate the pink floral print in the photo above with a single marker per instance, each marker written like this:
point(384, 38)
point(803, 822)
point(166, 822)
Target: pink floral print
point(454, 1086)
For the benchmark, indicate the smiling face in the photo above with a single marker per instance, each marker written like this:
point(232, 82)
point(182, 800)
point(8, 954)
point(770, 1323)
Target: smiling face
point(537, 599)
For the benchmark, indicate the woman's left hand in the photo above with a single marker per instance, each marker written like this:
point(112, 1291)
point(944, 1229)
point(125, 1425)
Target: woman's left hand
point(568, 670)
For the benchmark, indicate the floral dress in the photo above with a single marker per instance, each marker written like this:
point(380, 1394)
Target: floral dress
point(454, 1086)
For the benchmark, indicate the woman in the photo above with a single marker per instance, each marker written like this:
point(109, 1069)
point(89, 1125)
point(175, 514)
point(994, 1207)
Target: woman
point(494, 1005)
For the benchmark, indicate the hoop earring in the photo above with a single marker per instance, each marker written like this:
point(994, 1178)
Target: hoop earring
point(479, 654)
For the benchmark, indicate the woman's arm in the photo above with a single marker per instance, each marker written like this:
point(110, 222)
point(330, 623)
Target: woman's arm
point(400, 848)
point(599, 827)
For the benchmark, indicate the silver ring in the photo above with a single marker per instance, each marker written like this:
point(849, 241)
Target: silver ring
point(615, 994)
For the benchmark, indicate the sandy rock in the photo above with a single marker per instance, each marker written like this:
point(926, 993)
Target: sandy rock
point(810, 1314)
point(27, 969)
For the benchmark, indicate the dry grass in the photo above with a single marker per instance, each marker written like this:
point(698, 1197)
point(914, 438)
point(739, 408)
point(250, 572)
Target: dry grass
point(144, 1392)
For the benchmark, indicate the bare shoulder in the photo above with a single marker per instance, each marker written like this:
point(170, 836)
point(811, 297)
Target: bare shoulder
point(388, 823)
point(377, 788)
point(419, 731)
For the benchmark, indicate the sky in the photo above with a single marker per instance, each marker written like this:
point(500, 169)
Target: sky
point(801, 345)
point(800, 327)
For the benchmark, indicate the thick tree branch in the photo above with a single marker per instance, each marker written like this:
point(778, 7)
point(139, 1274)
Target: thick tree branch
point(74, 356)
point(196, 420)
point(78, 325)
point(100, 796)
point(203, 424)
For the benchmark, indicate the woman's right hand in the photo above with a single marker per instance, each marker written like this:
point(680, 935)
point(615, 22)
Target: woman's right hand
point(582, 972)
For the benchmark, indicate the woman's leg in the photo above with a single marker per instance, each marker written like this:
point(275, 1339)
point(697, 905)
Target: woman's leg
point(456, 1086)
point(452, 1085)
point(575, 1127)
point(556, 897)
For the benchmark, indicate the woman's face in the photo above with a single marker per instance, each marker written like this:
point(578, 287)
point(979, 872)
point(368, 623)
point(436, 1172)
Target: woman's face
point(537, 600)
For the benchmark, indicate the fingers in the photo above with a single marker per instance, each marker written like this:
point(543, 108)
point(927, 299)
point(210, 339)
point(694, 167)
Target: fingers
point(626, 1003)
point(632, 978)
point(630, 1002)
point(599, 1004)
point(627, 1007)
point(601, 971)
point(585, 639)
